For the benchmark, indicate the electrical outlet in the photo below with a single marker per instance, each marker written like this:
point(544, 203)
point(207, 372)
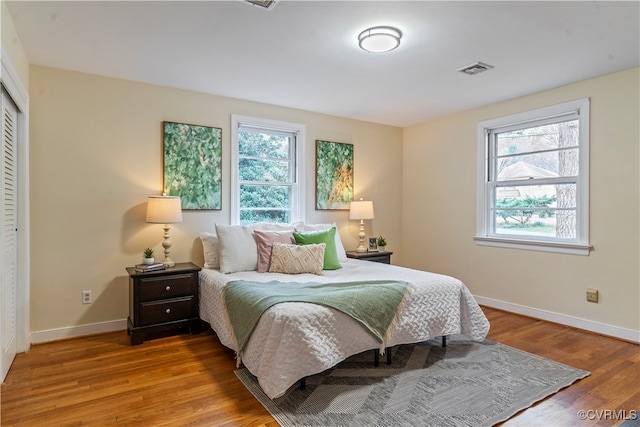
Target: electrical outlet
point(86, 297)
point(592, 295)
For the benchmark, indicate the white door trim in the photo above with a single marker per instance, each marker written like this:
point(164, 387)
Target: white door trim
point(11, 81)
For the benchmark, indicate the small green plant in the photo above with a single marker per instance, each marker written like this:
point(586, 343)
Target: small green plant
point(382, 241)
point(148, 253)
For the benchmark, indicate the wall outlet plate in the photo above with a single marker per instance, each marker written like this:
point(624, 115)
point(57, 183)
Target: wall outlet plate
point(592, 295)
point(87, 297)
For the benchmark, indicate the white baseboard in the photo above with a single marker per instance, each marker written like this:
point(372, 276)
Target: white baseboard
point(563, 319)
point(78, 331)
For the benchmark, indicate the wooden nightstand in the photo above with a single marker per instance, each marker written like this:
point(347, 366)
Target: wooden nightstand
point(383, 257)
point(163, 300)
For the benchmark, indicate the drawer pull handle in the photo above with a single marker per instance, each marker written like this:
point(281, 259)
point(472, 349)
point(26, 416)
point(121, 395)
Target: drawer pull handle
point(168, 288)
point(168, 310)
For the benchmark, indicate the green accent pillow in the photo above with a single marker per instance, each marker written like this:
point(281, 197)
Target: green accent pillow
point(328, 237)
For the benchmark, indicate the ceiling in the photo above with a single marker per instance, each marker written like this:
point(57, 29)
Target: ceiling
point(304, 54)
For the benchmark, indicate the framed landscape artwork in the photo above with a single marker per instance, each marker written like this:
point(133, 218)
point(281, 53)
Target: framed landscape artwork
point(334, 175)
point(193, 165)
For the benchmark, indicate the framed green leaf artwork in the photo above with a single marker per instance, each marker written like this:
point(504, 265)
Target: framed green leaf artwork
point(334, 175)
point(193, 165)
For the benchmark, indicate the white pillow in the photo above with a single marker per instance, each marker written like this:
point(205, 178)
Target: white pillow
point(302, 227)
point(210, 249)
point(238, 248)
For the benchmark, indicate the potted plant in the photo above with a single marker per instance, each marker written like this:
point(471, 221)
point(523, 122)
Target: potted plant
point(148, 256)
point(381, 243)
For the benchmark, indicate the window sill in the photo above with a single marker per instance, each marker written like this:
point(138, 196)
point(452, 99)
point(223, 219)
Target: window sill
point(534, 245)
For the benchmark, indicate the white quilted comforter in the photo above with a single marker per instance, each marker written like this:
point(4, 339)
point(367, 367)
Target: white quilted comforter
point(295, 340)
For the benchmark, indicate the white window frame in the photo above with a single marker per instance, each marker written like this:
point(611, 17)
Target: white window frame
point(297, 189)
point(484, 234)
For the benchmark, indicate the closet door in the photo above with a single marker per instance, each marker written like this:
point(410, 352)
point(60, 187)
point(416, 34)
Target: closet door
point(8, 233)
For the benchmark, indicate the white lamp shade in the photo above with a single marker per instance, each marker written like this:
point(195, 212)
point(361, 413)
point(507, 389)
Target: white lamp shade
point(361, 209)
point(164, 210)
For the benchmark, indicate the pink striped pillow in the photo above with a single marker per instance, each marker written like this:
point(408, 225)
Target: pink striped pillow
point(265, 240)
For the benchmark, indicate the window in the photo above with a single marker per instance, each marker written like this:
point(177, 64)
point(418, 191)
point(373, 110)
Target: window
point(533, 176)
point(267, 176)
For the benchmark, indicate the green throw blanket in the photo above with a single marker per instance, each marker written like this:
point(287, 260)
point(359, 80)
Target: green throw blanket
point(373, 304)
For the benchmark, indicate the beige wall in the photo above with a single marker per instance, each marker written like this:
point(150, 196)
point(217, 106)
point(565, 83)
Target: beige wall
point(96, 154)
point(439, 173)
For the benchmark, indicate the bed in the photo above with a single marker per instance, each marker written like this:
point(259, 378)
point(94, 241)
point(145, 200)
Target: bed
point(293, 340)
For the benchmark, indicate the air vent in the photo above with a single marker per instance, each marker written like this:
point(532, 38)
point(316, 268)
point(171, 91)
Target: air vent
point(475, 68)
point(267, 4)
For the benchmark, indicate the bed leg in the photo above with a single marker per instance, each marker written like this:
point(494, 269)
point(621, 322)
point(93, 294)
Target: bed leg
point(388, 350)
point(444, 341)
point(303, 383)
point(376, 357)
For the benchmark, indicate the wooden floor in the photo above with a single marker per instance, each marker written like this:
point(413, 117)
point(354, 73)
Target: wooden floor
point(188, 380)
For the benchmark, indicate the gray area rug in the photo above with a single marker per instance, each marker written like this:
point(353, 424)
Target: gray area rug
point(463, 384)
point(634, 421)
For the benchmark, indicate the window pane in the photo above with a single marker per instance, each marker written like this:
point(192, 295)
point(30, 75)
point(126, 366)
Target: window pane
point(553, 223)
point(258, 144)
point(538, 138)
point(264, 215)
point(264, 196)
point(264, 170)
point(541, 210)
point(539, 165)
point(559, 195)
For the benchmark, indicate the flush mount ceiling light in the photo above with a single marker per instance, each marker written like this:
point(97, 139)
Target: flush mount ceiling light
point(379, 39)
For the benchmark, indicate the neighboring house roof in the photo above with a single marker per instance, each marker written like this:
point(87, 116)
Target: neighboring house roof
point(523, 170)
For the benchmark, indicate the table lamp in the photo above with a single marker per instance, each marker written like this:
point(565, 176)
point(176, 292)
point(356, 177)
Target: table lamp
point(361, 209)
point(165, 210)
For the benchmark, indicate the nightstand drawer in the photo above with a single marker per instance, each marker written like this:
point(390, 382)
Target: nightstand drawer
point(162, 287)
point(382, 257)
point(164, 311)
point(385, 259)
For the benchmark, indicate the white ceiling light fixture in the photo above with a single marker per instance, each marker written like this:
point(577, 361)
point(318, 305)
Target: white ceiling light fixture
point(379, 39)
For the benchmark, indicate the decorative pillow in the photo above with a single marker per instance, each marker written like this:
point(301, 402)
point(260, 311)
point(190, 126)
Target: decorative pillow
point(265, 240)
point(238, 248)
point(210, 249)
point(328, 237)
point(294, 259)
point(302, 227)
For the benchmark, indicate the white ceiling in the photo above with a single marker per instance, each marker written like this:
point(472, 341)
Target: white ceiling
point(304, 54)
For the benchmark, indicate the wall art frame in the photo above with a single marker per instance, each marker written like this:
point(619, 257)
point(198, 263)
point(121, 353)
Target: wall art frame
point(192, 165)
point(334, 175)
